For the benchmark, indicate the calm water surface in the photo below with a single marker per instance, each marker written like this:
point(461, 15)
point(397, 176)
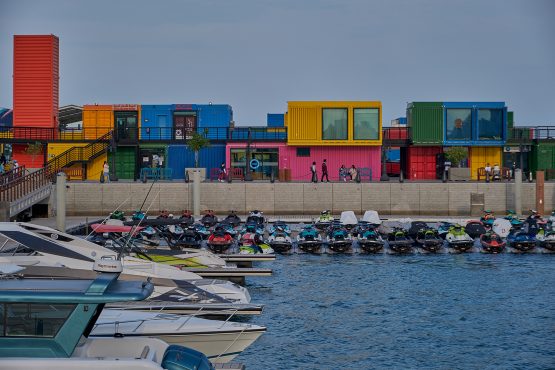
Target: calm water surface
point(470, 311)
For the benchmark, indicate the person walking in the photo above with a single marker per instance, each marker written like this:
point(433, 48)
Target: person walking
point(353, 172)
point(314, 174)
point(324, 171)
point(106, 172)
point(223, 173)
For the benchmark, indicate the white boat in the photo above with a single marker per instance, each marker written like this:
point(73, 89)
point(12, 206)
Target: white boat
point(220, 341)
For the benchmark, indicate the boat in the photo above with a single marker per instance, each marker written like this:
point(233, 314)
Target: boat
point(282, 225)
point(257, 217)
point(324, 220)
point(399, 241)
point(232, 219)
point(475, 229)
point(279, 240)
point(368, 238)
point(220, 240)
point(338, 238)
point(209, 219)
point(492, 243)
point(309, 240)
point(348, 219)
point(428, 239)
point(220, 341)
point(186, 218)
point(50, 328)
point(458, 239)
point(488, 218)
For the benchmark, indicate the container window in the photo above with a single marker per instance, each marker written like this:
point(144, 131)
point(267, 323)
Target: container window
point(490, 124)
point(334, 124)
point(459, 124)
point(33, 319)
point(303, 152)
point(367, 124)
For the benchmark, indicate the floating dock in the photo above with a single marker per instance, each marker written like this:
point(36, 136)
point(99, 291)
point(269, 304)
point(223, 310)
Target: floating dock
point(247, 260)
point(236, 275)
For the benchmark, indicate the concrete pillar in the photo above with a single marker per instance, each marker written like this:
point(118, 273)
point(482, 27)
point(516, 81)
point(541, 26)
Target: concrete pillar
point(540, 181)
point(518, 191)
point(61, 201)
point(4, 211)
point(196, 192)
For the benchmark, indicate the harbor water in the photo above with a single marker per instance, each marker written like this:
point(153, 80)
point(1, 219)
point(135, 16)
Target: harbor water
point(445, 311)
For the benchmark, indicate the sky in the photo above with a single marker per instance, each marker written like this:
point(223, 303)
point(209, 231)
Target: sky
point(256, 55)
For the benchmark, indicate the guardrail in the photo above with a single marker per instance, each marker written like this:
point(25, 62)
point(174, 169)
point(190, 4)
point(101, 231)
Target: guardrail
point(12, 174)
point(18, 188)
point(396, 136)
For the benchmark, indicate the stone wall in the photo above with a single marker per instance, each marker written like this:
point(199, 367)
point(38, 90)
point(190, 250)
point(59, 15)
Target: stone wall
point(390, 198)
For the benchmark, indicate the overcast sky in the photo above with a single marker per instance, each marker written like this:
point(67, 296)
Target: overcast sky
point(256, 55)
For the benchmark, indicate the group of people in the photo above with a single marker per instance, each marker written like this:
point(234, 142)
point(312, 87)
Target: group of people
point(492, 173)
point(344, 172)
point(6, 165)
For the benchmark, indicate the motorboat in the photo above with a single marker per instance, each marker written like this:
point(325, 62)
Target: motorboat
point(309, 240)
point(209, 219)
point(279, 240)
point(368, 238)
point(475, 229)
point(399, 241)
point(220, 341)
point(492, 243)
point(50, 329)
point(257, 217)
point(186, 218)
point(348, 219)
point(233, 219)
point(458, 239)
point(40, 245)
point(324, 220)
point(220, 240)
point(282, 225)
point(488, 218)
point(428, 239)
point(338, 239)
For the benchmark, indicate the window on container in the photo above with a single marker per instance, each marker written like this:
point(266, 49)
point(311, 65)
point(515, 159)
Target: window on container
point(490, 124)
point(459, 124)
point(33, 319)
point(334, 124)
point(367, 124)
point(303, 152)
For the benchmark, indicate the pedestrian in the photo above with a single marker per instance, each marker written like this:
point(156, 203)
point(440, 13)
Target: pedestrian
point(487, 171)
point(313, 171)
point(106, 172)
point(324, 172)
point(343, 173)
point(222, 173)
point(1, 167)
point(353, 172)
point(15, 164)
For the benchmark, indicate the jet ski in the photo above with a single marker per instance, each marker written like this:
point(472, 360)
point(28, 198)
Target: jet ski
point(233, 219)
point(348, 219)
point(209, 219)
point(492, 243)
point(228, 228)
point(256, 217)
point(415, 227)
point(117, 215)
point(220, 240)
point(186, 218)
point(551, 220)
point(279, 240)
point(325, 220)
point(546, 239)
point(309, 240)
point(138, 215)
point(458, 239)
point(513, 218)
point(164, 214)
point(521, 240)
point(201, 230)
point(399, 241)
point(281, 225)
point(252, 227)
point(190, 238)
point(253, 243)
point(429, 240)
point(369, 240)
point(475, 229)
point(339, 240)
point(443, 229)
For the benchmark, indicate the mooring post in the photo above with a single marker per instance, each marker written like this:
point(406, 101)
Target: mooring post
point(540, 204)
point(196, 192)
point(518, 191)
point(61, 202)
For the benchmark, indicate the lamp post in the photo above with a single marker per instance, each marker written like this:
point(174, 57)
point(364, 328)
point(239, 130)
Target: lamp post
point(384, 176)
point(248, 175)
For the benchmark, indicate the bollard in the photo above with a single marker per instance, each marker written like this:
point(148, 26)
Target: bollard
point(401, 176)
point(518, 191)
point(61, 202)
point(272, 177)
point(540, 181)
point(187, 176)
point(229, 177)
point(357, 178)
point(444, 176)
point(196, 192)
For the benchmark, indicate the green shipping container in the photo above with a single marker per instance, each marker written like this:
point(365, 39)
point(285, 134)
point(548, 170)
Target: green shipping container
point(543, 158)
point(425, 120)
point(126, 163)
point(510, 119)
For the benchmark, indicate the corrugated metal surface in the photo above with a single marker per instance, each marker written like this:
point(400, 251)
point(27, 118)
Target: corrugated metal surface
point(480, 156)
point(156, 122)
point(19, 153)
point(304, 122)
point(275, 120)
point(126, 163)
point(421, 162)
point(425, 120)
point(180, 157)
point(393, 154)
point(215, 115)
point(94, 167)
point(55, 149)
point(510, 119)
point(97, 120)
point(543, 157)
point(35, 80)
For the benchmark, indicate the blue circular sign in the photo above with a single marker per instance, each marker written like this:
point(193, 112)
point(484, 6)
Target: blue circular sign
point(254, 163)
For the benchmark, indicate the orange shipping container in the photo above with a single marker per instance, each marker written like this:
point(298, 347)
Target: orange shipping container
point(97, 120)
point(35, 81)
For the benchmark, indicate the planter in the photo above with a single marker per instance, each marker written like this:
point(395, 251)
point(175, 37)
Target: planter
point(202, 173)
point(459, 174)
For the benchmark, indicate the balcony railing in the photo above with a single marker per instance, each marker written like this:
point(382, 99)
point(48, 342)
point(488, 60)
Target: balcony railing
point(396, 136)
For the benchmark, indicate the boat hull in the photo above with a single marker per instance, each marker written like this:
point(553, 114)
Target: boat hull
point(313, 247)
point(370, 246)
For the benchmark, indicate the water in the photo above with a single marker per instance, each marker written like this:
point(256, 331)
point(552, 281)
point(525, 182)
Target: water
point(469, 311)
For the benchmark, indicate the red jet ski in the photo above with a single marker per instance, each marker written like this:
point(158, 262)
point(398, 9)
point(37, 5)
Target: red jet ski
point(120, 229)
point(492, 243)
point(219, 241)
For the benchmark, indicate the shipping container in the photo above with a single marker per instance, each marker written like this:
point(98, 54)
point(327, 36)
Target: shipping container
point(480, 156)
point(127, 119)
point(267, 154)
point(29, 155)
point(214, 120)
point(393, 154)
point(156, 122)
point(275, 120)
point(475, 123)
point(425, 120)
point(421, 162)
point(125, 162)
point(334, 123)
point(153, 155)
point(93, 167)
point(181, 157)
point(97, 120)
point(543, 156)
point(35, 81)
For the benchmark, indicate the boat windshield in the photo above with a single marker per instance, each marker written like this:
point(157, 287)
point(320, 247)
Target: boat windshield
point(33, 319)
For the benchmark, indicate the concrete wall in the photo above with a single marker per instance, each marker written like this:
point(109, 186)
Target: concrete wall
point(303, 198)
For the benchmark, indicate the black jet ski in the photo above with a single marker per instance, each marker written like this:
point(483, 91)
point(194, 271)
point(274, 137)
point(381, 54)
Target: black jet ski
point(429, 240)
point(399, 241)
point(209, 219)
point(339, 240)
point(369, 240)
point(233, 219)
point(186, 218)
point(475, 229)
point(256, 217)
point(309, 240)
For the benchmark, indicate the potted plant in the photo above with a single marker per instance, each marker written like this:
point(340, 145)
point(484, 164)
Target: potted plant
point(196, 143)
point(456, 155)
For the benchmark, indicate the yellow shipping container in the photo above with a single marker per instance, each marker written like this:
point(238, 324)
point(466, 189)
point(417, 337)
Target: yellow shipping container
point(480, 156)
point(305, 123)
point(94, 167)
point(97, 120)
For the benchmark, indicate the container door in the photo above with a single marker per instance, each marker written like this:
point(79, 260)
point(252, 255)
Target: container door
point(126, 126)
point(184, 124)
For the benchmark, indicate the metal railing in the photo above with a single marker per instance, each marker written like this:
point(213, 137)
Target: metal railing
point(24, 185)
point(396, 136)
point(521, 134)
point(544, 132)
point(12, 174)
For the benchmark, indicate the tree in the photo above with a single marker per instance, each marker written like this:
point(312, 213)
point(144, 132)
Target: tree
point(196, 143)
point(34, 149)
point(456, 155)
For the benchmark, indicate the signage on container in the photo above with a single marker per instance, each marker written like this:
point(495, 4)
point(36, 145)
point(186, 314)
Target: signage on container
point(120, 107)
point(254, 164)
point(517, 149)
point(183, 107)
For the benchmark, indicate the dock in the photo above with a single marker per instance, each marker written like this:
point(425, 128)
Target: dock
point(229, 366)
point(247, 260)
point(236, 275)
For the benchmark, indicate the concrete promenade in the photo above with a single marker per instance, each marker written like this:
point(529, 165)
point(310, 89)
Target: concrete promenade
point(389, 198)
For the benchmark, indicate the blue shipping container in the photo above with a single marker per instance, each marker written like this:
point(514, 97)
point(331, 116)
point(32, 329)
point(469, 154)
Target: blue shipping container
point(156, 122)
point(181, 157)
point(474, 123)
point(393, 154)
point(216, 116)
point(275, 120)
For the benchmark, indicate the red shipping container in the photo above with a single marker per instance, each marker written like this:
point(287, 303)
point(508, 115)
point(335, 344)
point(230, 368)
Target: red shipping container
point(26, 157)
point(35, 81)
point(393, 168)
point(421, 162)
point(395, 133)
